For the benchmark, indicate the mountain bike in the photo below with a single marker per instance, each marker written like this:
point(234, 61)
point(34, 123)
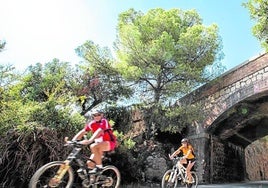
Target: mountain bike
point(61, 173)
point(177, 175)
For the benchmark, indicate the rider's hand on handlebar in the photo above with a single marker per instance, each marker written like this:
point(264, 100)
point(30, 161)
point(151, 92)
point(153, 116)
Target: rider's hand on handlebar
point(171, 157)
point(85, 142)
point(67, 142)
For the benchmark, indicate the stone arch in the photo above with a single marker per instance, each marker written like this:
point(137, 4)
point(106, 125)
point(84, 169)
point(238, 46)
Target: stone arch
point(234, 130)
point(244, 122)
point(225, 104)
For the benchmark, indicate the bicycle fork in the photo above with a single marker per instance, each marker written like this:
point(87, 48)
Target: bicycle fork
point(172, 177)
point(55, 181)
point(182, 175)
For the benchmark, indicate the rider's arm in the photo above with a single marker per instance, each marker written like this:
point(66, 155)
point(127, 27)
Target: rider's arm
point(95, 135)
point(79, 135)
point(175, 153)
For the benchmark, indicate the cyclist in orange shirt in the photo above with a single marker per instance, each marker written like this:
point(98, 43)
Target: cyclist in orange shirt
point(188, 159)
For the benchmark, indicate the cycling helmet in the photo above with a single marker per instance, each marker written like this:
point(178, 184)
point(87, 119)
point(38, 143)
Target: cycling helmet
point(184, 140)
point(94, 112)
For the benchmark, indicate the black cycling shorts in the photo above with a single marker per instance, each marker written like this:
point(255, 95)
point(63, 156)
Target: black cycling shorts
point(188, 160)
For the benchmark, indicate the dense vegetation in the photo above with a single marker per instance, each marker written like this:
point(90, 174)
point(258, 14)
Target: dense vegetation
point(258, 10)
point(161, 56)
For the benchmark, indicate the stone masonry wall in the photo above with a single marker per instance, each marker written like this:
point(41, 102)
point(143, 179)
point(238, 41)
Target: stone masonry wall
point(237, 78)
point(257, 160)
point(227, 162)
point(236, 86)
point(202, 165)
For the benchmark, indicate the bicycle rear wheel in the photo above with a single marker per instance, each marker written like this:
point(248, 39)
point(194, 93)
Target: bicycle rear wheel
point(108, 177)
point(194, 182)
point(44, 175)
point(167, 180)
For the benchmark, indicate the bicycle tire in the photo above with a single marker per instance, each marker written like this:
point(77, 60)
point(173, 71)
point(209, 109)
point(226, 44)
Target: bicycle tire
point(110, 176)
point(42, 176)
point(166, 180)
point(195, 178)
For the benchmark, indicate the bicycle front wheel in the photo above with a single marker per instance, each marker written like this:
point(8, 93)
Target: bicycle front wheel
point(168, 180)
point(43, 177)
point(108, 177)
point(194, 182)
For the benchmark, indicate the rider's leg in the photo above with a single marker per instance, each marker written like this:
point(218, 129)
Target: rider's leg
point(97, 150)
point(182, 162)
point(91, 163)
point(188, 169)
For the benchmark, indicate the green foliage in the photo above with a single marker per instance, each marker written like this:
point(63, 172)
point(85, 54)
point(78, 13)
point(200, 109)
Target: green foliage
point(2, 45)
point(43, 82)
point(40, 99)
point(129, 143)
point(124, 143)
point(7, 76)
point(10, 102)
point(99, 81)
point(121, 116)
point(120, 120)
point(168, 53)
point(26, 128)
point(182, 116)
point(172, 119)
point(259, 12)
point(264, 140)
point(10, 116)
point(52, 115)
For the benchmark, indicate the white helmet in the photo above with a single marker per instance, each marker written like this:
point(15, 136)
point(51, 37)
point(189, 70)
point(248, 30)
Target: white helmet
point(184, 140)
point(96, 112)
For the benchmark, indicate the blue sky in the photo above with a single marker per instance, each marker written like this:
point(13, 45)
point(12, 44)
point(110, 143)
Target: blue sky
point(40, 30)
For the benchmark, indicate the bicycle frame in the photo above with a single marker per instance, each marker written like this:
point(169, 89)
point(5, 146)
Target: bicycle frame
point(56, 173)
point(74, 155)
point(182, 171)
point(177, 174)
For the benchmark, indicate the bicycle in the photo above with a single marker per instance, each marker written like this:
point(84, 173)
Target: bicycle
point(61, 173)
point(178, 174)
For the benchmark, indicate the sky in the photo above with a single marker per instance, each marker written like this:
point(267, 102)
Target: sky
point(37, 31)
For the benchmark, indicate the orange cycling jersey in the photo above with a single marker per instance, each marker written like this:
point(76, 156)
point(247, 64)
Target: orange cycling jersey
point(185, 150)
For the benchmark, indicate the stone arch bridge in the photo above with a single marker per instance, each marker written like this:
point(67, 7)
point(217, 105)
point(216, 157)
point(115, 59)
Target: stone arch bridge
point(236, 114)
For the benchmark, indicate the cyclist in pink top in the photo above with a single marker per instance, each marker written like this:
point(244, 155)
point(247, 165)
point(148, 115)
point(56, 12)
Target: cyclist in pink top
point(103, 139)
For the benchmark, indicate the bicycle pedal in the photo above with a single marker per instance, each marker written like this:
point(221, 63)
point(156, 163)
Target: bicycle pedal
point(86, 183)
point(82, 173)
point(190, 182)
point(108, 182)
point(95, 170)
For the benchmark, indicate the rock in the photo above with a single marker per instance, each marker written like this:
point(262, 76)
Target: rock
point(155, 168)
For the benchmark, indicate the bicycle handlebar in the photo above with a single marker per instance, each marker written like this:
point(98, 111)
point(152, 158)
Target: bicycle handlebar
point(72, 142)
point(174, 158)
